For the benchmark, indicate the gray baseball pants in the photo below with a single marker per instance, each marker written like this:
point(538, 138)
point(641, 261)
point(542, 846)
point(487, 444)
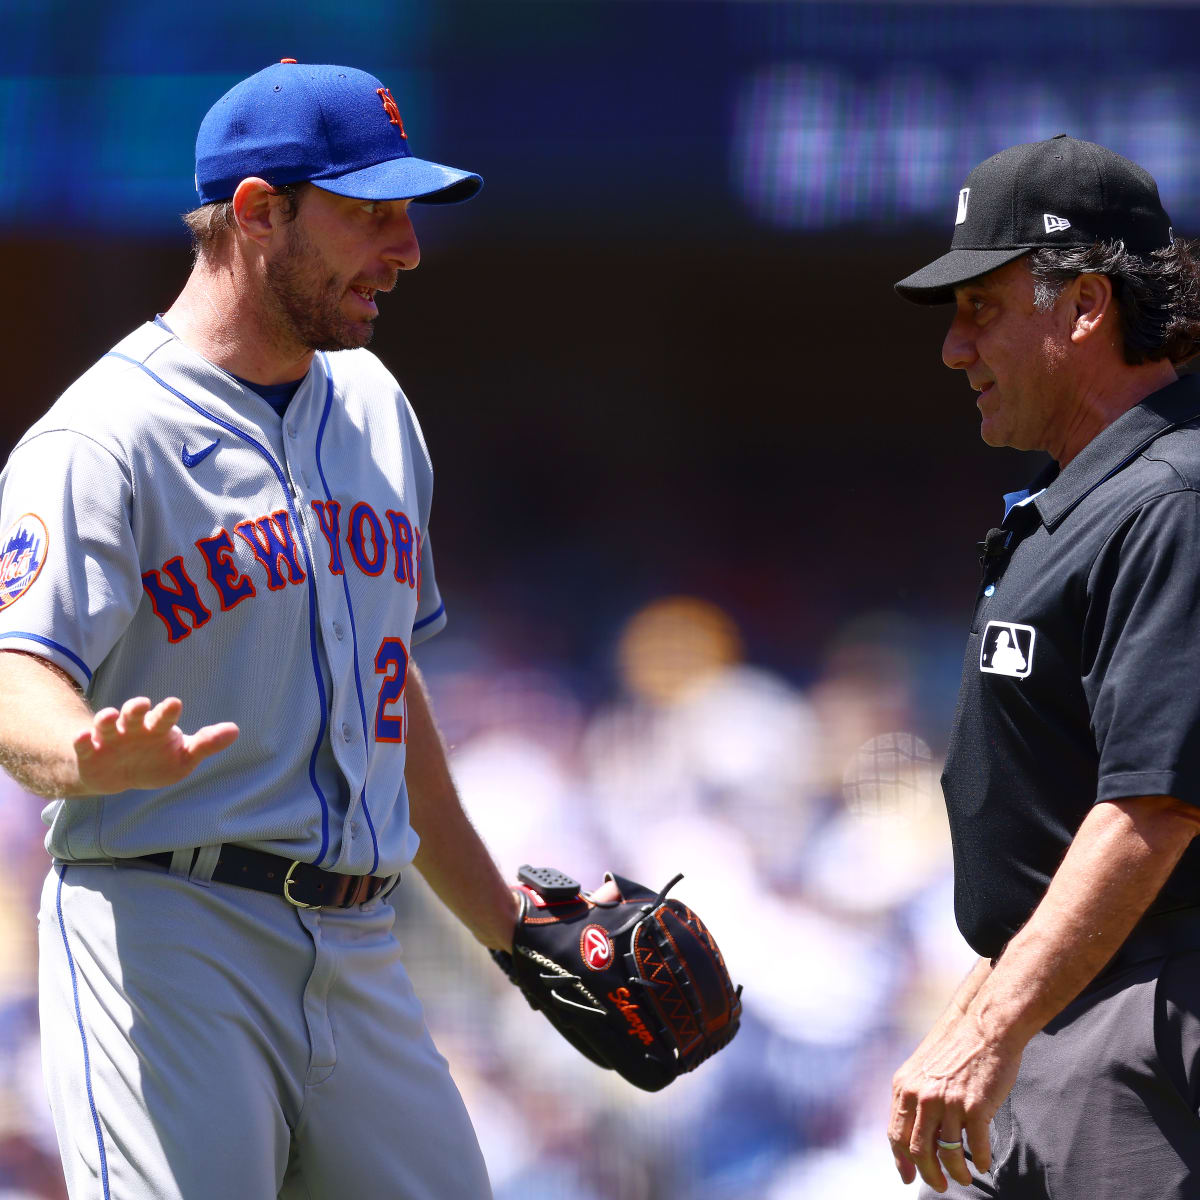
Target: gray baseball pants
point(206, 1042)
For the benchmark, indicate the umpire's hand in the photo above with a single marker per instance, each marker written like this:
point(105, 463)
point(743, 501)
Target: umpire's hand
point(952, 1086)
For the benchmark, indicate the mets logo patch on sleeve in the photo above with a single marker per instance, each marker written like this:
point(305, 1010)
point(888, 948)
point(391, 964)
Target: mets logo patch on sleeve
point(22, 556)
point(1007, 649)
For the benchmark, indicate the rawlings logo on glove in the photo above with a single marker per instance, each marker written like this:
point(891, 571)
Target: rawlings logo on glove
point(635, 982)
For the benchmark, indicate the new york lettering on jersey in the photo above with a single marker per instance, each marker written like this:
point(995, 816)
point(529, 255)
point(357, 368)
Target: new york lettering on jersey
point(177, 601)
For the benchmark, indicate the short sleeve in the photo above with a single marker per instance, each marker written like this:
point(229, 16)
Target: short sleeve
point(1141, 652)
point(431, 611)
point(69, 581)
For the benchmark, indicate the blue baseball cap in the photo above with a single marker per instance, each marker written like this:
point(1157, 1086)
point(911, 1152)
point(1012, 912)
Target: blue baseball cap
point(334, 127)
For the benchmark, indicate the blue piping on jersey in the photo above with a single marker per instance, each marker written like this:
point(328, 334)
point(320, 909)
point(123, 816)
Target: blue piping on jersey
point(312, 593)
point(45, 641)
point(362, 704)
point(87, 1065)
point(433, 616)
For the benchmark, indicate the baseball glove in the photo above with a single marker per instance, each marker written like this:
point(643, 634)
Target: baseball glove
point(636, 984)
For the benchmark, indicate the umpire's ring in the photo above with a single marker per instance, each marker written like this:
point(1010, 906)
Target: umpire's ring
point(949, 1145)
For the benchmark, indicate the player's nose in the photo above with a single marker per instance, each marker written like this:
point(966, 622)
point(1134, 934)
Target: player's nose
point(402, 250)
point(958, 350)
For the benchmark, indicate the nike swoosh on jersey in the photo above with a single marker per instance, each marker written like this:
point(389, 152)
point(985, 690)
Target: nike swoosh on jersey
point(190, 460)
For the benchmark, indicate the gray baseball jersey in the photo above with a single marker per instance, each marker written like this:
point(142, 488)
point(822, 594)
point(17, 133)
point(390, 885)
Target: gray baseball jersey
point(166, 533)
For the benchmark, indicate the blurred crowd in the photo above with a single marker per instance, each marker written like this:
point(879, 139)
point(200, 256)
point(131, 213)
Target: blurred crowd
point(809, 827)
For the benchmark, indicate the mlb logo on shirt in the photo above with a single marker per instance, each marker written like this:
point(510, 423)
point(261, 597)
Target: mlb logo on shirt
point(1007, 649)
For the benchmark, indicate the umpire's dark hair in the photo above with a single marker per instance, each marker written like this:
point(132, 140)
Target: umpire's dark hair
point(1157, 294)
point(209, 223)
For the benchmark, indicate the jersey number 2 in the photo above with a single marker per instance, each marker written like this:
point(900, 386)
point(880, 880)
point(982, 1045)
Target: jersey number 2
point(391, 661)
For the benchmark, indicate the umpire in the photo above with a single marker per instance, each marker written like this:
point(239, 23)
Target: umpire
point(1067, 1064)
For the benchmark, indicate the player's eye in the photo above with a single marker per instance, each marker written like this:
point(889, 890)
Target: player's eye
point(371, 206)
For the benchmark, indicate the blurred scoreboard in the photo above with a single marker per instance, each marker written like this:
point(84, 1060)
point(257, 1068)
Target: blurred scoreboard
point(681, 113)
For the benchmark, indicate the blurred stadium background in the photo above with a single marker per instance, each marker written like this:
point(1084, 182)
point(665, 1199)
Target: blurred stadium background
point(707, 501)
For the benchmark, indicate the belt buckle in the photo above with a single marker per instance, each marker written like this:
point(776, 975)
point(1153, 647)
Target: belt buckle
point(287, 889)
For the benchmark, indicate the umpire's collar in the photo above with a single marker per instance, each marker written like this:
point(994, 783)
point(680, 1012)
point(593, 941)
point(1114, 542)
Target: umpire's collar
point(1112, 448)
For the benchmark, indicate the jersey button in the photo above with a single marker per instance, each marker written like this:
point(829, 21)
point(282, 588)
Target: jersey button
point(339, 631)
point(291, 431)
point(346, 733)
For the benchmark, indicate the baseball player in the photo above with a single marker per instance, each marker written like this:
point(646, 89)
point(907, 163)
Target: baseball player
point(223, 527)
point(1067, 1065)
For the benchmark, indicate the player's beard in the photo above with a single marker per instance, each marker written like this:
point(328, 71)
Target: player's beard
point(308, 298)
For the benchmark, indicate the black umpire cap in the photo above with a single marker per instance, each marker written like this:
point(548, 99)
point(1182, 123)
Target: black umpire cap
point(1060, 192)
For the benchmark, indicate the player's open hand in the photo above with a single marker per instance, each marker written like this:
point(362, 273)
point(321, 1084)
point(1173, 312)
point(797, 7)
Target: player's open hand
point(943, 1100)
point(140, 746)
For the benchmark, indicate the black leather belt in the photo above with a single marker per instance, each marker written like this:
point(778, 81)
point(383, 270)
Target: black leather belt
point(299, 883)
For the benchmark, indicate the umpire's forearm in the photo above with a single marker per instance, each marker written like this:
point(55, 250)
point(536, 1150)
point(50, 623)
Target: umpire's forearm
point(1118, 862)
point(452, 856)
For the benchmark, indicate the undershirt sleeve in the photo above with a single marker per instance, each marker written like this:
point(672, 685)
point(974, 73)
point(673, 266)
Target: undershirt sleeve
point(1141, 652)
point(72, 582)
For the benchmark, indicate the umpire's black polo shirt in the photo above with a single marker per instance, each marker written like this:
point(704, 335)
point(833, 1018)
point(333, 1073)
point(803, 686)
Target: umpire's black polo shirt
point(1082, 674)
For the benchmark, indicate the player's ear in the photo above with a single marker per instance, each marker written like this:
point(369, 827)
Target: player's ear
point(1092, 302)
point(253, 211)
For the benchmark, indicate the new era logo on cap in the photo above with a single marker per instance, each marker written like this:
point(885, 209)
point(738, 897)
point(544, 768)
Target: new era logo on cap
point(963, 196)
point(1055, 224)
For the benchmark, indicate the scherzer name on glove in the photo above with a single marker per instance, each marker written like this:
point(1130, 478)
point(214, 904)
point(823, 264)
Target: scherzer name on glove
point(637, 984)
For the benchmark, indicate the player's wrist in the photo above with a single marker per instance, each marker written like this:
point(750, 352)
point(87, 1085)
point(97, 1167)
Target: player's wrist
point(515, 909)
point(502, 930)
